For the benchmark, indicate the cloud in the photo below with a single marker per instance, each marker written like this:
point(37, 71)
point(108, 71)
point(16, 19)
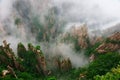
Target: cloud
point(5, 8)
point(66, 51)
point(96, 13)
point(77, 59)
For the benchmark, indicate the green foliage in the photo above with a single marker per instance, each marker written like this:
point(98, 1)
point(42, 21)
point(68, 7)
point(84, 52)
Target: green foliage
point(77, 72)
point(103, 64)
point(29, 57)
point(100, 69)
point(112, 41)
point(51, 78)
point(2, 67)
point(38, 47)
point(25, 76)
point(30, 61)
point(21, 50)
point(17, 21)
point(91, 49)
point(8, 77)
point(114, 74)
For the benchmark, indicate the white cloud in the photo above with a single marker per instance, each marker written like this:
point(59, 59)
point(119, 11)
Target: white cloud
point(93, 12)
point(5, 8)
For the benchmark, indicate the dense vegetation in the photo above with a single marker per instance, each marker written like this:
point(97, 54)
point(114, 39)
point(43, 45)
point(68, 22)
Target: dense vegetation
point(32, 65)
point(49, 29)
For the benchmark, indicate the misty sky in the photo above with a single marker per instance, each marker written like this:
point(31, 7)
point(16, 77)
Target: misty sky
point(96, 13)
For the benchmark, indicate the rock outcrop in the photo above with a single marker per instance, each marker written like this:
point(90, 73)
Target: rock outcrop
point(64, 65)
point(112, 43)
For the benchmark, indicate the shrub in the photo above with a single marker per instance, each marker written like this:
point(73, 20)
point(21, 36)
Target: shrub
point(113, 75)
point(103, 64)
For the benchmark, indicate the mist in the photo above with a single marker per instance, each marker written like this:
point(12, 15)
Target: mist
point(97, 14)
point(77, 59)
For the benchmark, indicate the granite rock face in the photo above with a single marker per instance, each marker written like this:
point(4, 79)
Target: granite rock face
point(112, 43)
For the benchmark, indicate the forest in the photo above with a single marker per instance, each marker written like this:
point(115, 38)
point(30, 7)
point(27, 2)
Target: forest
point(31, 63)
point(59, 40)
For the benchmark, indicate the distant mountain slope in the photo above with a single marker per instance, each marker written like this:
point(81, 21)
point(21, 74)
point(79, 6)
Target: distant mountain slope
point(112, 29)
point(112, 43)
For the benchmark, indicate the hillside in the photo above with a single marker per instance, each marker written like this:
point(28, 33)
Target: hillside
point(112, 43)
point(33, 60)
point(59, 39)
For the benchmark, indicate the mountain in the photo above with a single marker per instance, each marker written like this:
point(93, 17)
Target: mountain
point(110, 30)
point(112, 43)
